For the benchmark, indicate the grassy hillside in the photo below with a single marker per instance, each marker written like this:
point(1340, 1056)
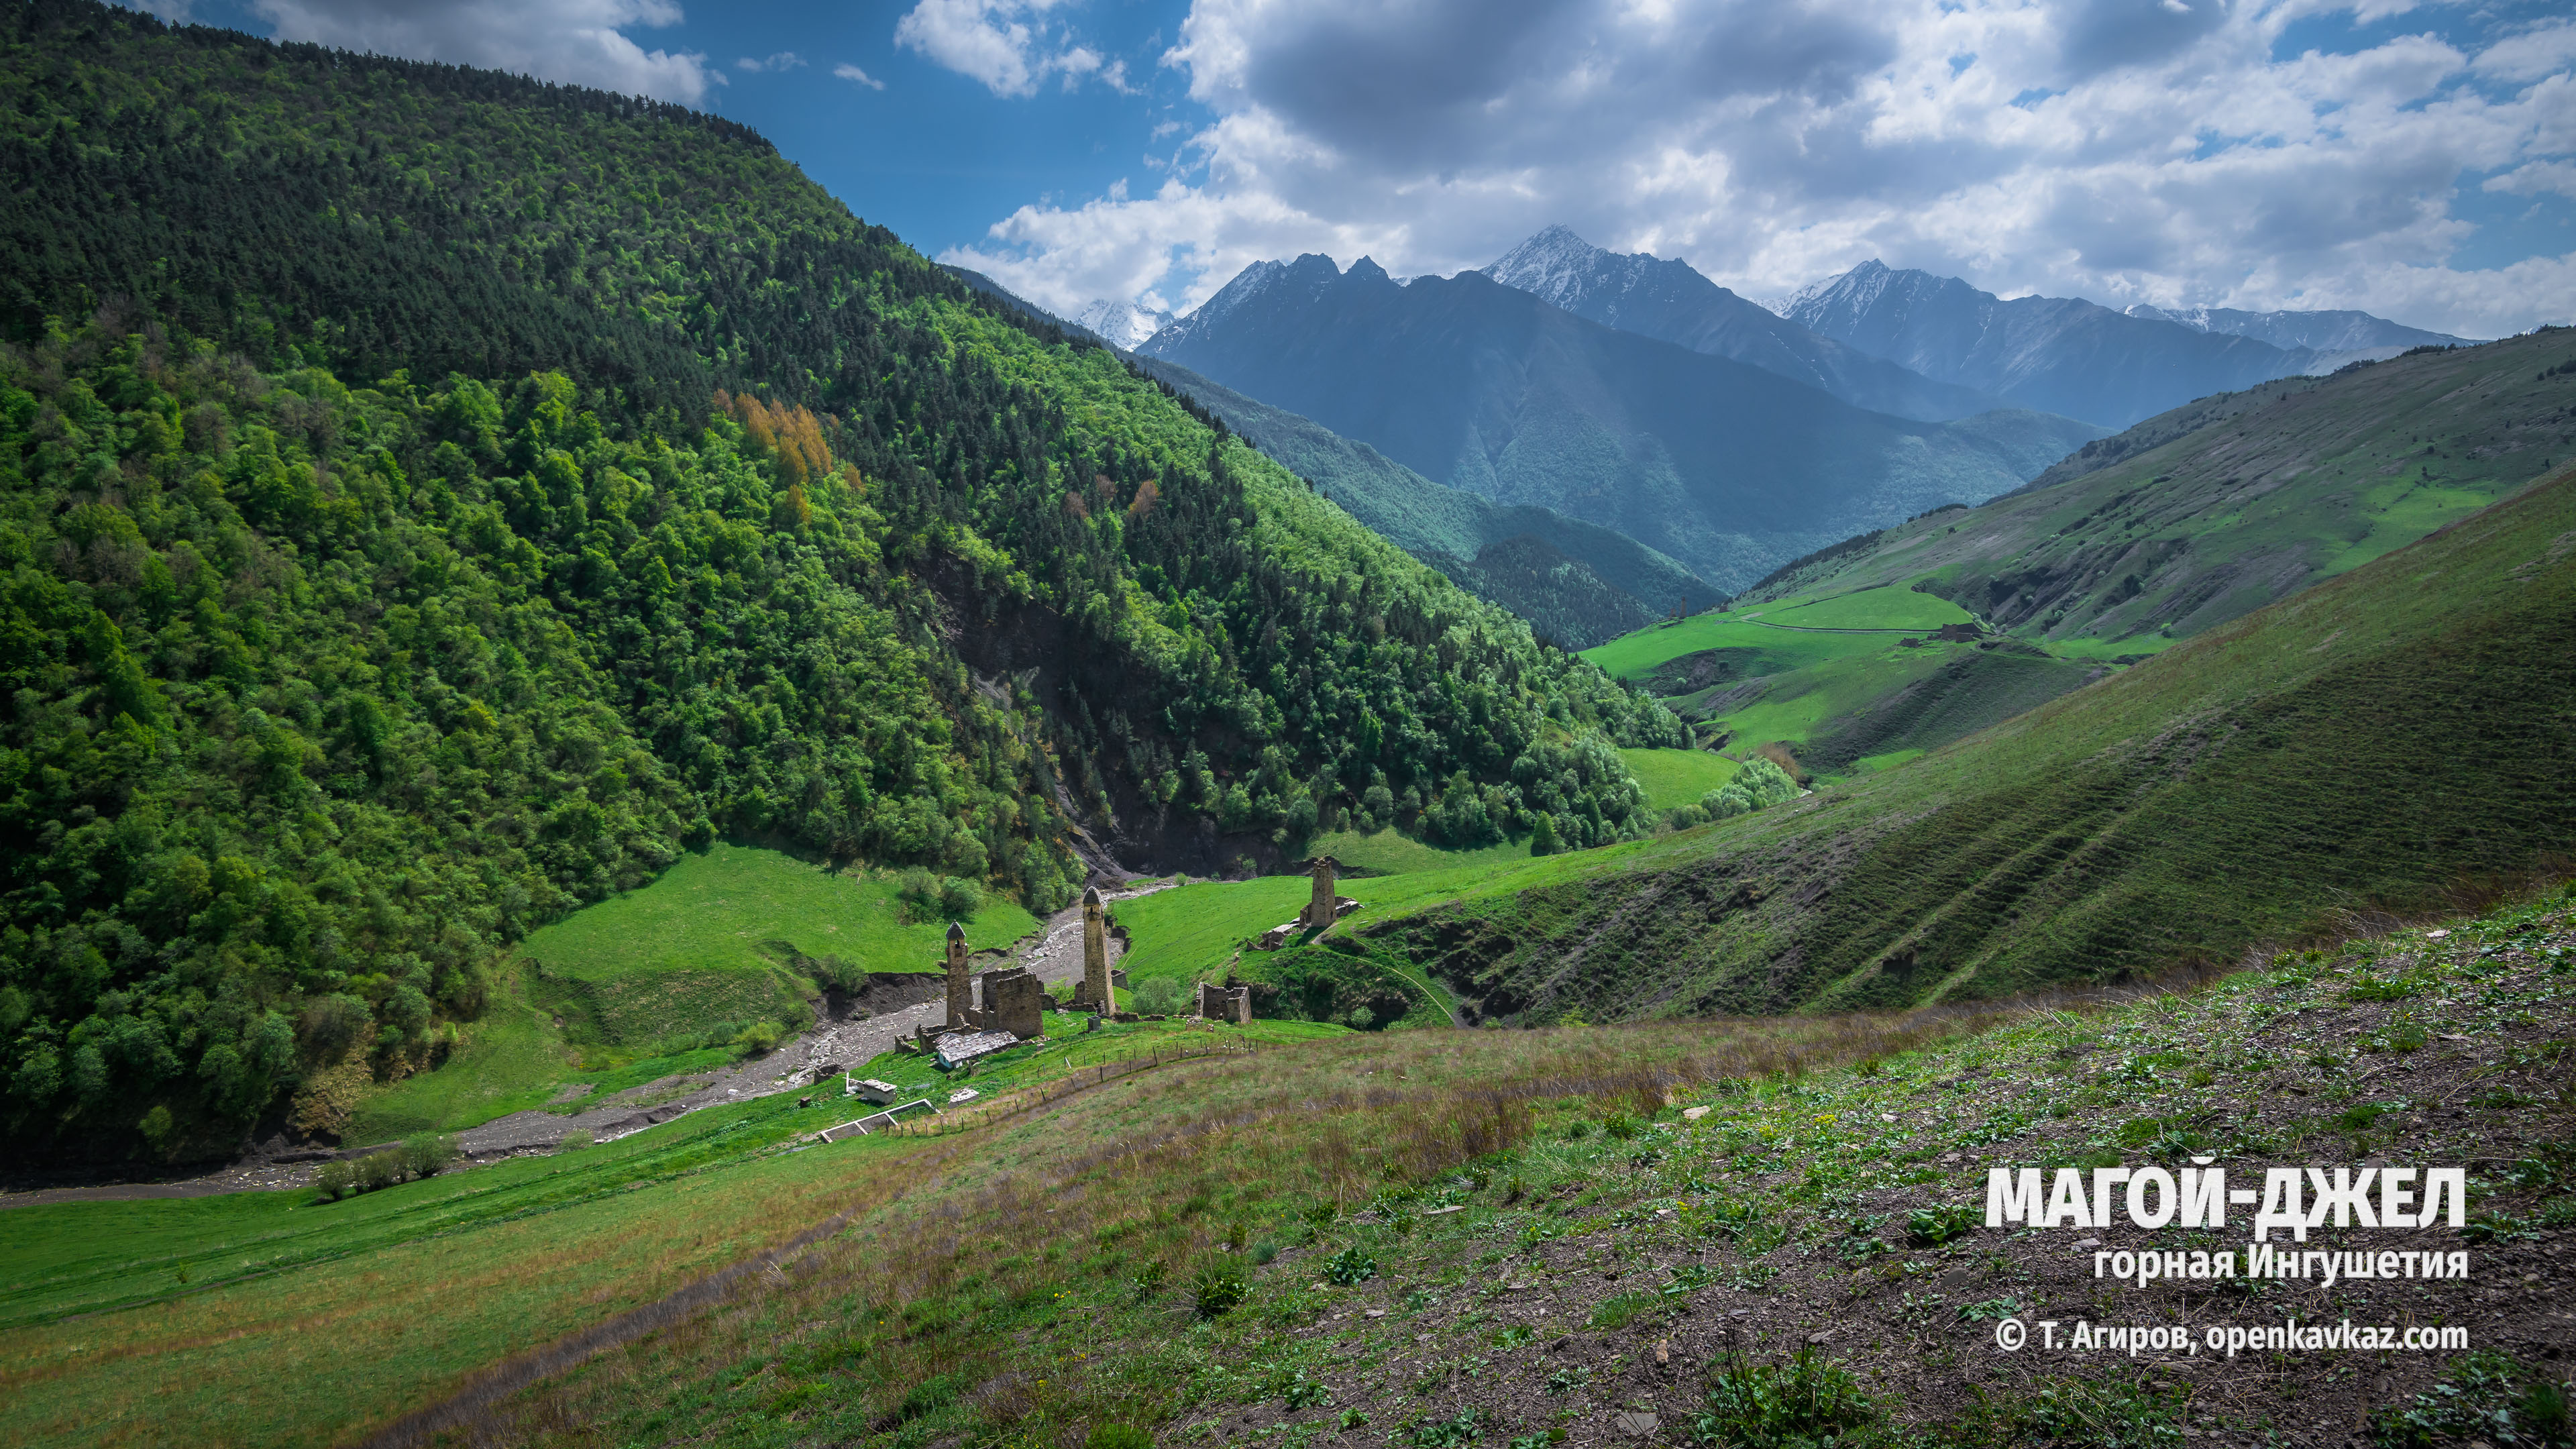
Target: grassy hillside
point(1850, 681)
point(1480, 1258)
point(2186, 521)
point(1678, 777)
point(2365, 744)
point(478, 493)
point(2207, 512)
point(727, 935)
point(1605, 1253)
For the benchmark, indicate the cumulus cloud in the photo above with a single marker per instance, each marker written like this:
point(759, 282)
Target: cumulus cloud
point(579, 41)
point(2166, 151)
point(1011, 46)
point(849, 72)
point(783, 60)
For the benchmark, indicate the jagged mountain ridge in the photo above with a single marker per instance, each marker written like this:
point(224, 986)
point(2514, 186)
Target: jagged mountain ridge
point(2336, 336)
point(1124, 325)
point(2054, 354)
point(1724, 466)
point(1672, 302)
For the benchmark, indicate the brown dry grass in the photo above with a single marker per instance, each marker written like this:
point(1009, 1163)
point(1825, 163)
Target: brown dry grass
point(1164, 1168)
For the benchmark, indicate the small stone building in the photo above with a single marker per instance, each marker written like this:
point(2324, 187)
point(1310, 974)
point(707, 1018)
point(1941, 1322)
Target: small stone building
point(1225, 1003)
point(1014, 1000)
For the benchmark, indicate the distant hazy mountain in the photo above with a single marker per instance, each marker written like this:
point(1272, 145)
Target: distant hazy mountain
point(1579, 583)
point(1724, 466)
point(1671, 302)
point(1121, 324)
point(2338, 337)
point(2055, 354)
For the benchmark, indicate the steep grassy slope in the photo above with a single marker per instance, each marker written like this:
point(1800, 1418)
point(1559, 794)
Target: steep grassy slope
point(453, 497)
point(1724, 466)
point(735, 935)
point(2190, 519)
point(2200, 515)
point(2369, 742)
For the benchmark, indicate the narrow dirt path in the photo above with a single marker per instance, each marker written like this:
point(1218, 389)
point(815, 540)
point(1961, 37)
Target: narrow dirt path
point(832, 1044)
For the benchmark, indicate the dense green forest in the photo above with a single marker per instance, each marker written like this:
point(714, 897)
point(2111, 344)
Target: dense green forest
point(431, 499)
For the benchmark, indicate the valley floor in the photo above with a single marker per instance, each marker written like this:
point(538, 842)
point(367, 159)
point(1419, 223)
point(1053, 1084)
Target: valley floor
point(1441, 1238)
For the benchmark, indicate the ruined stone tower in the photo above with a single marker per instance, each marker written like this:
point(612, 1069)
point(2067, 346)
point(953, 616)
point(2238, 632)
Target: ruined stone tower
point(1095, 992)
point(961, 988)
point(1319, 905)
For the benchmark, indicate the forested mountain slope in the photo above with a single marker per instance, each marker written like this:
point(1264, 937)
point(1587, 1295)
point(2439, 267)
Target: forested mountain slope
point(1575, 582)
point(1723, 466)
point(431, 499)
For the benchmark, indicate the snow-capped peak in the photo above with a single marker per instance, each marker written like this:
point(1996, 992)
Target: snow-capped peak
point(1122, 324)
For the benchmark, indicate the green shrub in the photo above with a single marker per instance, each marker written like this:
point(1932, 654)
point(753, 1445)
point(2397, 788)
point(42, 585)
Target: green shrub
point(1350, 1267)
point(428, 1154)
point(1220, 1288)
point(1148, 1280)
point(1934, 1226)
point(333, 1181)
point(1620, 1125)
point(1800, 1404)
point(380, 1169)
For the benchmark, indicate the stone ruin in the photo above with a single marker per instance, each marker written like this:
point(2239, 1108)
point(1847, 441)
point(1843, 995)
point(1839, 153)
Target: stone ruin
point(1225, 1003)
point(1014, 999)
point(1014, 1003)
point(1320, 901)
point(1322, 907)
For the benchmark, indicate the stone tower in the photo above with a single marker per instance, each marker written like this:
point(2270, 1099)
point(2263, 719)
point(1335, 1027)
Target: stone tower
point(961, 987)
point(1319, 906)
point(1095, 955)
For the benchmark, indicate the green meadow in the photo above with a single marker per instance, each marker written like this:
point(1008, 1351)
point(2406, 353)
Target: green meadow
point(1678, 777)
point(1879, 608)
point(668, 979)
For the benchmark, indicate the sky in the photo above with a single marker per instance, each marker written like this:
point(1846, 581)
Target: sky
point(2415, 160)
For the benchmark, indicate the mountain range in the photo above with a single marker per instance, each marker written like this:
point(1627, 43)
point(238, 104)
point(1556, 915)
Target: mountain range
point(1728, 467)
point(1671, 302)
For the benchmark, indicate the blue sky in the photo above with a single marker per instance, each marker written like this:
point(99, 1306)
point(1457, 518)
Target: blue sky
point(2415, 160)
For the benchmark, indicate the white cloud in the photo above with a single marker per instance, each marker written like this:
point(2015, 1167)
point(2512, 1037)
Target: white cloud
point(1009, 45)
point(783, 60)
point(2536, 178)
point(579, 41)
point(849, 72)
point(2120, 150)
